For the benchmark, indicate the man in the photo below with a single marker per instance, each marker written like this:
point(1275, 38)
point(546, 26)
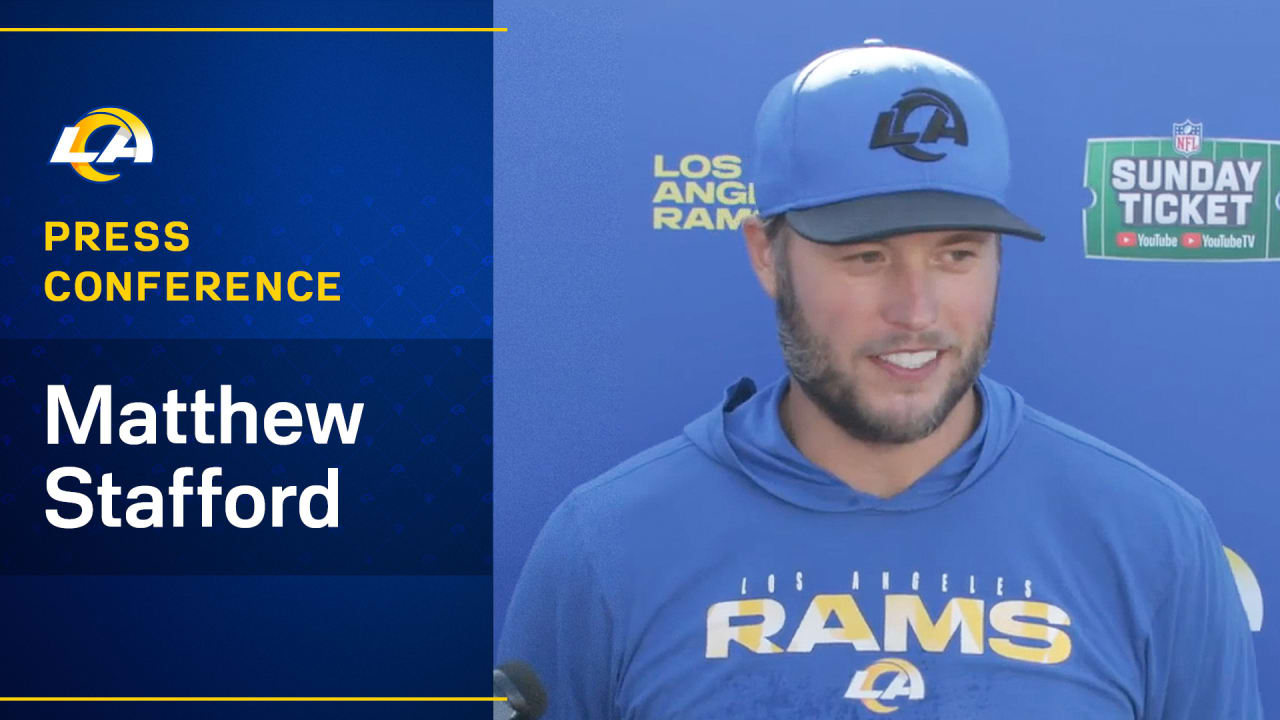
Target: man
point(884, 529)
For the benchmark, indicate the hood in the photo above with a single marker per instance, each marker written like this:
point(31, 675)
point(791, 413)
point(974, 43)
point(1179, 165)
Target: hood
point(744, 433)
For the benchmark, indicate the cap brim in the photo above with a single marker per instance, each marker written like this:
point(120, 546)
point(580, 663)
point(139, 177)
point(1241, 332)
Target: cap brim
point(879, 216)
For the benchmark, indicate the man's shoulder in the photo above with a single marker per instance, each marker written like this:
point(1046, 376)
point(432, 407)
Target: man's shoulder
point(653, 490)
point(658, 460)
point(659, 469)
point(1098, 470)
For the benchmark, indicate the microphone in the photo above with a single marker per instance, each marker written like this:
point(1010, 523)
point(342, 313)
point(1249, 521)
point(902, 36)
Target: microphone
point(525, 698)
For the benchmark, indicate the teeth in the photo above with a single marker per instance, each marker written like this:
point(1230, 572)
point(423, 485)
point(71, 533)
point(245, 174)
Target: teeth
point(910, 360)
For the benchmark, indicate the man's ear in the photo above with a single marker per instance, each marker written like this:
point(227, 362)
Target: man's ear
point(761, 254)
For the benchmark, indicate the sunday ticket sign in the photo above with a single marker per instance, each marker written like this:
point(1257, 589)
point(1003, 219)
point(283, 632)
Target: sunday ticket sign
point(1182, 197)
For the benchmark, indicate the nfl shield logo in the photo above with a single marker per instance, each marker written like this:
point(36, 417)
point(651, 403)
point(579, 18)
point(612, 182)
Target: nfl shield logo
point(1186, 137)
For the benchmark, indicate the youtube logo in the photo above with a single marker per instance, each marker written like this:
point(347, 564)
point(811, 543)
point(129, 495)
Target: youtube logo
point(1192, 240)
point(1127, 239)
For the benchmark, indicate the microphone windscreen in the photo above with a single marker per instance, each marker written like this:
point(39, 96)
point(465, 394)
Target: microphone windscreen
point(526, 681)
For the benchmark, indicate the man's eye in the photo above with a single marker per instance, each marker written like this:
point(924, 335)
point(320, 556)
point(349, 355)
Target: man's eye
point(866, 257)
point(961, 255)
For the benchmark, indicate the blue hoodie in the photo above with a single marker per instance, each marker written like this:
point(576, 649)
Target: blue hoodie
point(1036, 572)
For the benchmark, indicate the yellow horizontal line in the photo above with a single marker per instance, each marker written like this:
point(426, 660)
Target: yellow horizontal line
point(251, 698)
point(247, 29)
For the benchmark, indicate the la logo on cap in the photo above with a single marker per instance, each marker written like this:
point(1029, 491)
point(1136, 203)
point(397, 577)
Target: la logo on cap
point(890, 125)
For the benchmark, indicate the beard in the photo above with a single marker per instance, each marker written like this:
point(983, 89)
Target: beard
point(809, 358)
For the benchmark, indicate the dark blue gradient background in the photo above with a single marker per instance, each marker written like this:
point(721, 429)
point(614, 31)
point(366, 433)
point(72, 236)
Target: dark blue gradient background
point(368, 154)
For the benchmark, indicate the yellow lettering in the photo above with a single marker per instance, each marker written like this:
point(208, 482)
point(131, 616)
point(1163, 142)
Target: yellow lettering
point(731, 193)
point(328, 281)
point(853, 628)
point(141, 231)
point(660, 171)
point(698, 218)
point(963, 614)
point(94, 281)
point(754, 636)
point(144, 284)
point(668, 191)
point(726, 167)
point(117, 288)
point(174, 282)
point(666, 218)
point(51, 237)
point(207, 283)
point(1003, 620)
point(48, 285)
point(170, 231)
point(695, 166)
point(115, 231)
point(270, 284)
point(84, 237)
point(236, 284)
point(700, 192)
point(727, 219)
point(293, 290)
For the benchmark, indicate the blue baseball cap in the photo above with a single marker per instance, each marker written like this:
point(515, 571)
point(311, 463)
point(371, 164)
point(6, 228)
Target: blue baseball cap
point(872, 141)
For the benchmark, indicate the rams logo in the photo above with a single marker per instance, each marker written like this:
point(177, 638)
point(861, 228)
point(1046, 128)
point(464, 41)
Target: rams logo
point(71, 146)
point(905, 681)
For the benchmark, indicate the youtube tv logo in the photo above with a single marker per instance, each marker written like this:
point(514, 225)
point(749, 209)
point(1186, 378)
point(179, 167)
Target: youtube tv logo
point(1126, 239)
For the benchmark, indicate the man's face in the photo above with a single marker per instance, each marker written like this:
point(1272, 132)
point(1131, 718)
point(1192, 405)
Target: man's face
point(887, 336)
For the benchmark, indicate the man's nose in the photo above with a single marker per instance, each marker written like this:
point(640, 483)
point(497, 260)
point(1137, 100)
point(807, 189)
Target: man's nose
point(910, 298)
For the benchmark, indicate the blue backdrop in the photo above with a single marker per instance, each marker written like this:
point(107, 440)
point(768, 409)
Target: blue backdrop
point(366, 154)
point(614, 333)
